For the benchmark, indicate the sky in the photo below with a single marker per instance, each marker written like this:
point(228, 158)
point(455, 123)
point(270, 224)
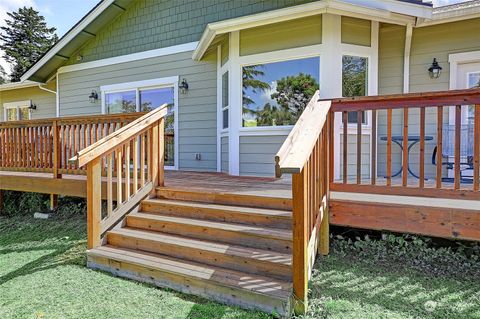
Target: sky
point(63, 14)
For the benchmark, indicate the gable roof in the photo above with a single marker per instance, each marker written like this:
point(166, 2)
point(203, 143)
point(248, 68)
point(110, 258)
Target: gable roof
point(78, 35)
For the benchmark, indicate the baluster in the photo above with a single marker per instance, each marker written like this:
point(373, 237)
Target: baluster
point(458, 127)
point(439, 146)
point(476, 148)
point(119, 176)
point(405, 148)
point(345, 147)
point(135, 165)
point(109, 185)
point(421, 182)
point(127, 171)
point(142, 160)
point(373, 168)
point(389, 147)
point(359, 147)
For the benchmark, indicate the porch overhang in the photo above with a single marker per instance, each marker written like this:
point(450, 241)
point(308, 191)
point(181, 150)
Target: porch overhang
point(389, 11)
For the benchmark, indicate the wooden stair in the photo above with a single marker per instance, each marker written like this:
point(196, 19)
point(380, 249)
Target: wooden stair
point(233, 248)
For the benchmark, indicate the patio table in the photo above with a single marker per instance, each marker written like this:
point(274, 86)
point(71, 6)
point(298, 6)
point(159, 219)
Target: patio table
point(411, 140)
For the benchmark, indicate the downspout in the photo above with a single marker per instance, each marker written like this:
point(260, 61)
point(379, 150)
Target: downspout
point(57, 111)
point(406, 58)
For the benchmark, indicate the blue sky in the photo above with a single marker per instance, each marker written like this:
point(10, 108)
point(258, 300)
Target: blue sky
point(63, 14)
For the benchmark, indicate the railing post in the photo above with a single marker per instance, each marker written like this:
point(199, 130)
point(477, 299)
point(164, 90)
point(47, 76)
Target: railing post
point(325, 224)
point(55, 161)
point(161, 152)
point(154, 153)
point(300, 242)
point(94, 202)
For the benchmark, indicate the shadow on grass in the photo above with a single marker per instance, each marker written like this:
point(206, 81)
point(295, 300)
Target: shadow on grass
point(339, 284)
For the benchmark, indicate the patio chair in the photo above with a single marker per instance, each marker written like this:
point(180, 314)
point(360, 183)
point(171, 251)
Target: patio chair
point(448, 151)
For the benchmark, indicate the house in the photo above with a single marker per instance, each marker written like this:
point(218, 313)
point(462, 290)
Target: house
point(224, 72)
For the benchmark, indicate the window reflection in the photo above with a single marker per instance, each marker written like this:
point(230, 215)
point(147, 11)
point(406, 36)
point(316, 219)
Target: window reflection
point(354, 81)
point(276, 93)
point(121, 102)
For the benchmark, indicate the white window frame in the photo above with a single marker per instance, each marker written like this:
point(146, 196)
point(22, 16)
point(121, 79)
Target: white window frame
point(138, 86)
point(17, 105)
point(313, 51)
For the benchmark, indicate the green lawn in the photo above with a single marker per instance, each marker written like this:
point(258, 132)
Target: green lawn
point(43, 275)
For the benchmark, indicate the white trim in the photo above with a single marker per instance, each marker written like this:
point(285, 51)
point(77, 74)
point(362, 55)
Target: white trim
point(282, 55)
point(57, 97)
point(219, 108)
point(235, 103)
point(406, 58)
point(185, 47)
point(68, 37)
point(365, 9)
point(137, 86)
point(17, 105)
point(457, 12)
point(18, 85)
point(265, 130)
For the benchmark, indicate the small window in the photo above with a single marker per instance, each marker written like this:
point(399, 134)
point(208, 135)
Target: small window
point(354, 81)
point(17, 111)
point(225, 100)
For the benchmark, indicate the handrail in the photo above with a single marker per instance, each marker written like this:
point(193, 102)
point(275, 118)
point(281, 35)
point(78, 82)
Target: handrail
point(71, 120)
point(296, 149)
point(129, 162)
point(306, 155)
point(397, 101)
point(111, 141)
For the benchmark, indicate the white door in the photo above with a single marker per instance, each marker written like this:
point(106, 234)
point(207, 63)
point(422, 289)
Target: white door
point(468, 76)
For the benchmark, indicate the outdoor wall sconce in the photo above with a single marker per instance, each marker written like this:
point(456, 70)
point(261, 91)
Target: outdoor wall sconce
point(183, 86)
point(32, 106)
point(93, 97)
point(435, 70)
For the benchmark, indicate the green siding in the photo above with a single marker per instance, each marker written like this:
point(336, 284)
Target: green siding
point(45, 101)
point(284, 35)
point(257, 154)
point(197, 108)
point(152, 24)
point(356, 31)
point(391, 50)
point(438, 42)
point(224, 151)
point(352, 155)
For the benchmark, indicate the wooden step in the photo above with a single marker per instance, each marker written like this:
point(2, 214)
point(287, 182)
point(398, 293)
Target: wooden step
point(215, 212)
point(226, 286)
point(245, 259)
point(225, 198)
point(244, 235)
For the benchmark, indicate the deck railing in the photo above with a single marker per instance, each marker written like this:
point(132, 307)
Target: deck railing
point(306, 155)
point(412, 178)
point(130, 162)
point(46, 145)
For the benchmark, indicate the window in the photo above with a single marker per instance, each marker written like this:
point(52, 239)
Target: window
point(144, 100)
point(354, 81)
point(225, 100)
point(473, 80)
point(275, 94)
point(17, 111)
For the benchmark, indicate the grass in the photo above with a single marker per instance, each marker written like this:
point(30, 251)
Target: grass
point(43, 275)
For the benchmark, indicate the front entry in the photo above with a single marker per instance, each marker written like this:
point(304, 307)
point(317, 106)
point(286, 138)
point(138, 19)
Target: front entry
point(144, 96)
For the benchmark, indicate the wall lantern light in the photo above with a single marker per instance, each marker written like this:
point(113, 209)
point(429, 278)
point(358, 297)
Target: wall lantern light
point(32, 106)
point(93, 97)
point(435, 70)
point(183, 86)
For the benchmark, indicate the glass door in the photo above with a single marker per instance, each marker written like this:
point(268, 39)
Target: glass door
point(145, 100)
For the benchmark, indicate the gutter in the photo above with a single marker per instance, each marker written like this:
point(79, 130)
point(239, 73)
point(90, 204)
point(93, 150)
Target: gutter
point(46, 90)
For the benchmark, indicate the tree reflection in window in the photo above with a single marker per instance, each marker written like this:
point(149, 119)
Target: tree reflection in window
point(275, 94)
point(354, 80)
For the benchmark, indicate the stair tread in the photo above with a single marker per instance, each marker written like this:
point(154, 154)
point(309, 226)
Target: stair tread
point(258, 284)
point(267, 232)
point(216, 247)
point(234, 208)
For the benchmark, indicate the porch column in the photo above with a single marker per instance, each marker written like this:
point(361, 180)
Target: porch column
point(331, 74)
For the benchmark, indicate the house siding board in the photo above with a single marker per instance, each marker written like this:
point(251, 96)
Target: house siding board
point(352, 155)
point(356, 31)
point(390, 58)
point(279, 36)
point(225, 154)
point(197, 108)
point(152, 24)
point(257, 154)
point(45, 101)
